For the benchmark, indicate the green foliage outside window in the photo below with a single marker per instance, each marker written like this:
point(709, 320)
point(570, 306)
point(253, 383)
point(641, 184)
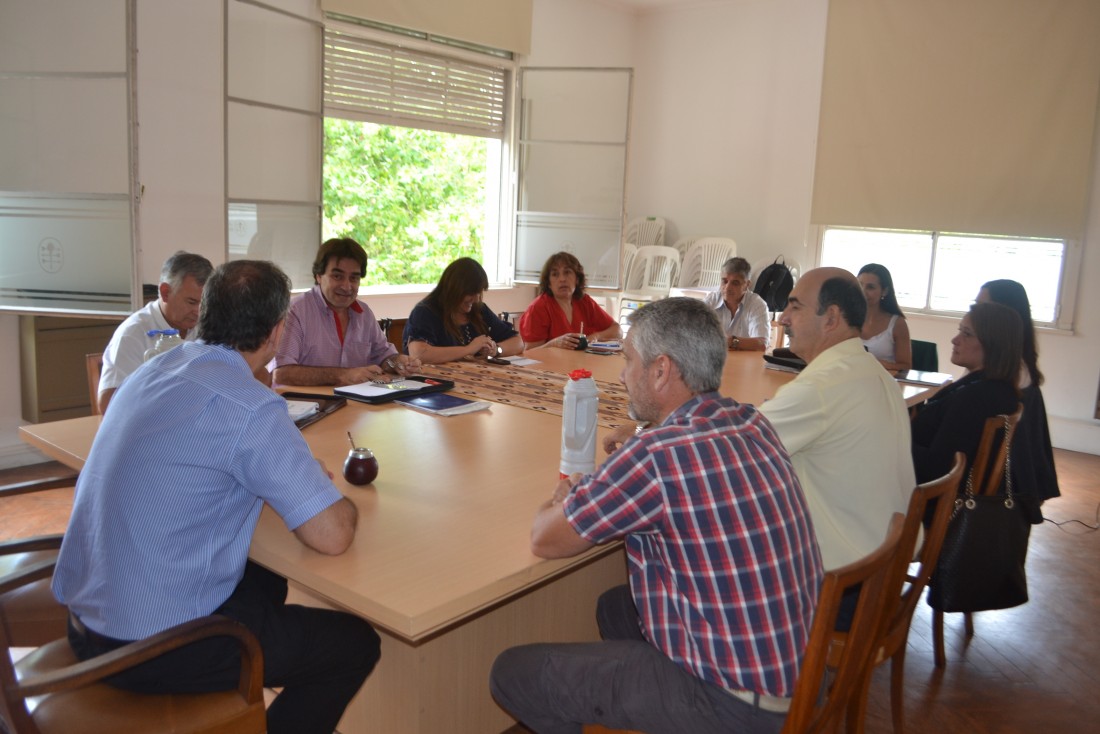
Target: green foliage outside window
point(415, 199)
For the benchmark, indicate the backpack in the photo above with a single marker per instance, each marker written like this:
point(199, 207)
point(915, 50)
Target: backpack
point(774, 284)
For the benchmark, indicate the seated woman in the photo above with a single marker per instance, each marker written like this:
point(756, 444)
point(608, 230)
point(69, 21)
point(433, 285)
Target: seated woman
point(452, 323)
point(744, 315)
point(885, 331)
point(1034, 477)
point(988, 345)
point(563, 311)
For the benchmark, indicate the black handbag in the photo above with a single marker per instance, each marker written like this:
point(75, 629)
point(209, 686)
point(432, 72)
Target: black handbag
point(981, 564)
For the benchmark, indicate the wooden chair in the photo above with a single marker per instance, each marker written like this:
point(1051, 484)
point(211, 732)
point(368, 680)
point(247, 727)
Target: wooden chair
point(900, 607)
point(93, 363)
point(826, 693)
point(987, 475)
point(70, 697)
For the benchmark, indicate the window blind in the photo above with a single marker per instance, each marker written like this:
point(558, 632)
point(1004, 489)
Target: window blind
point(377, 82)
point(966, 117)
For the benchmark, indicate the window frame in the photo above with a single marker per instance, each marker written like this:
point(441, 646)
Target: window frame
point(1069, 274)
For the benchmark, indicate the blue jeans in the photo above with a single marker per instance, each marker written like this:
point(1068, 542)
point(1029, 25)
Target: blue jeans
point(622, 683)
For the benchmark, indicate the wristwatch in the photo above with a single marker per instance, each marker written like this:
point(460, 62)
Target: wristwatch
point(639, 427)
point(389, 363)
point(735, 343)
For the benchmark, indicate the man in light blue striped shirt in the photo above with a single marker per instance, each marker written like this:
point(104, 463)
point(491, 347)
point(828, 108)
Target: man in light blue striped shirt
point(167, 504)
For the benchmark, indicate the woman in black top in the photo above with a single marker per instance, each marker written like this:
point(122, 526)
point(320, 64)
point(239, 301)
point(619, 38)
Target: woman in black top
point(988, 345)
point(1034, 478)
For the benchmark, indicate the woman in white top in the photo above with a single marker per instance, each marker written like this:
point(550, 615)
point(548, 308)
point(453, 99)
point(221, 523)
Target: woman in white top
point(885, 332)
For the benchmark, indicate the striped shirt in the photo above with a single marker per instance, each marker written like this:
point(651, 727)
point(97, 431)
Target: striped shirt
point(312, 336)
point(724, 566)
point(166, 505)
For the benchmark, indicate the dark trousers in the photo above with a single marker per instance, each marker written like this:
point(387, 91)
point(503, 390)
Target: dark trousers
point(319, 657)
point(621, 683)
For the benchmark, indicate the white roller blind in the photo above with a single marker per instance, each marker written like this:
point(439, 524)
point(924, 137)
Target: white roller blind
point(502, 24)
point(973, 116)
point(376, 82)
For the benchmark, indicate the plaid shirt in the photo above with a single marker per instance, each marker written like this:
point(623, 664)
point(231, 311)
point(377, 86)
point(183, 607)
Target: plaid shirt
point(724, 565)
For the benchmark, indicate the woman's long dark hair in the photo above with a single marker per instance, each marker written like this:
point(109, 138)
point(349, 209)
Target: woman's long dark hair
point(464, 277)
point(566, 260)
point(889, 302)
point(1001, 333)
point(1012, 294)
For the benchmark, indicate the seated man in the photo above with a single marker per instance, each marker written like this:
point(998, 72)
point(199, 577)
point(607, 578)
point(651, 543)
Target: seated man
point(331, 338)
point(724, 568)
point(177, 307)
point(743, 314)
point(167, 504)
point(843, 419)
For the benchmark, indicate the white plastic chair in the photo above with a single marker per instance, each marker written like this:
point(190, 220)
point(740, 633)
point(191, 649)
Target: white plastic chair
point(646, 232)
point(651, 275)
point(683, 245)
point(702, 266)
point(629, 251)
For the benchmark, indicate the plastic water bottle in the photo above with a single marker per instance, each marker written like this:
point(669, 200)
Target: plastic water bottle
point(578, 424)
point(165, 340)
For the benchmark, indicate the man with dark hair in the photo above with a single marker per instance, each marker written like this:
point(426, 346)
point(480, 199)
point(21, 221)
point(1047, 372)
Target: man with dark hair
point(177, 307)
point(724, 569)
point(843, 419)
point(331, 337)
point(167, 503)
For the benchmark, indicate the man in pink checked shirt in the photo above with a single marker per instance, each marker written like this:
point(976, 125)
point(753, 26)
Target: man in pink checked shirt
point(331, 337)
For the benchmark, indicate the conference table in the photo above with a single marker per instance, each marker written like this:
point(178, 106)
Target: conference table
point(441, 563)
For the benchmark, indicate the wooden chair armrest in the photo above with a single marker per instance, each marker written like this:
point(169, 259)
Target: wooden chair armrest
point(38, 485)
point(27, 574)
point(104, 666)
point(29, 545)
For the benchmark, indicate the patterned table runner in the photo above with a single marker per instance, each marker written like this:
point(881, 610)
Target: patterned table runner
point(530, 388)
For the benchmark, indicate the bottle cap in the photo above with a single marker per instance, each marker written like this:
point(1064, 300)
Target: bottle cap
point(154, 332)
point(171, 332)
point(579, 374)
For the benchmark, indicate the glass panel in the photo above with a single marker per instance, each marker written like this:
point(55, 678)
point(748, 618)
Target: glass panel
point(64, 135)
point(65, 254)
point(264, 162)
point(76, 35)
point(571, 169)
point(964, 263)
point(285, 234)
point(575, 105)
point(907, 255)
point(573, 178)
point(274, 58)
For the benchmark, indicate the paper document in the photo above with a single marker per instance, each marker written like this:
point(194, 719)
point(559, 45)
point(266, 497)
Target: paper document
point(300, 408)
point(372, 390)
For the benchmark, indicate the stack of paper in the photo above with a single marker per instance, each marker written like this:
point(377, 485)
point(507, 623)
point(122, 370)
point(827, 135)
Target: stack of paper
point(300, 408)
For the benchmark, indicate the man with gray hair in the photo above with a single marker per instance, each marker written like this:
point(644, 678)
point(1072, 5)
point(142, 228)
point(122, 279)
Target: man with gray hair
point(724, 568)
point(177, 307)
point(744, 315)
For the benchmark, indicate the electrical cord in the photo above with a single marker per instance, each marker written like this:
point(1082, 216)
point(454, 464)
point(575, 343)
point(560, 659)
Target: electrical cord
point(1090, 528)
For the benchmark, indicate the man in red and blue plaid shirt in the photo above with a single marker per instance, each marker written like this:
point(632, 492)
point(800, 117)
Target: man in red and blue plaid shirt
point(724, 565)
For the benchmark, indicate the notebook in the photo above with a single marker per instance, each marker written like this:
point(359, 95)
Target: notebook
point(443, 404)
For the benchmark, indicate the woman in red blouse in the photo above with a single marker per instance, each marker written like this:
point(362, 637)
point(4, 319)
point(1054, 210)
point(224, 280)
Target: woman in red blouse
point(563, 311)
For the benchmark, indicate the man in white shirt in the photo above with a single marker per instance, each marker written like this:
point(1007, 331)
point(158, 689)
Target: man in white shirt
point(744, 315)
point(843, 419)
point(180, 293)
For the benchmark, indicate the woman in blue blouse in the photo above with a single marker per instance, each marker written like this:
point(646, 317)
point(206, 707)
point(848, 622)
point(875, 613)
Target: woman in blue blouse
point(453, 323)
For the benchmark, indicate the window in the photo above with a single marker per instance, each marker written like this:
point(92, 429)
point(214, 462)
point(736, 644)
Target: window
point(414, 152)
point(940, 272)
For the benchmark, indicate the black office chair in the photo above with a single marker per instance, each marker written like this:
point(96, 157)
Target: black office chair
point(925, 356)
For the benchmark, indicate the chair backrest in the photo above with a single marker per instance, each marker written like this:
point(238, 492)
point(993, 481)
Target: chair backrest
point(683, 245)
point(652, 273)
point(925, 356)
point(629, 251)
point(93, 363)
point(814, 706)
point(647, 231)
point(988, 468)
point(702, 266)
point(943, 492)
